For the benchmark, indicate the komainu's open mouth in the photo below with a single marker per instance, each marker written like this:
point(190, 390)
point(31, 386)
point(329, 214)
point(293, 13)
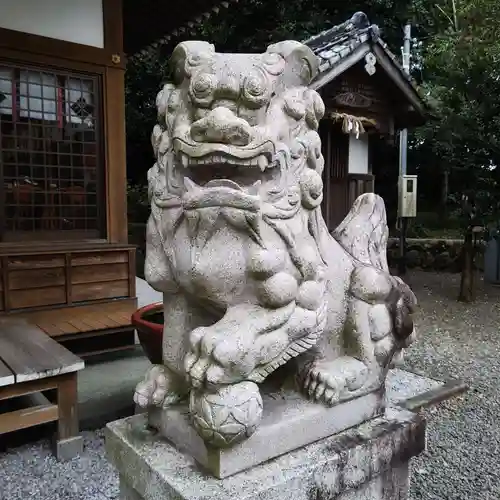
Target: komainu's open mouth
point(220, 170)
point(212, 166)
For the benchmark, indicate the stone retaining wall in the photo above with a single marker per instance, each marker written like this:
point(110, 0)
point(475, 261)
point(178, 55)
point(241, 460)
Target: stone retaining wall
point(432, 254)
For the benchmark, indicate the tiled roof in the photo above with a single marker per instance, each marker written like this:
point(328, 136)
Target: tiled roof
point(333, 45)
point(343, 45)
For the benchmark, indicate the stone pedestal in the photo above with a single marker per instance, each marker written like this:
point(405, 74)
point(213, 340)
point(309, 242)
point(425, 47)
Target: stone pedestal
point(289, 421)
point(367, 462)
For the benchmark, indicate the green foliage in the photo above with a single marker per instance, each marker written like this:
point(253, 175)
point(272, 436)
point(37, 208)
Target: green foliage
point(249, 26)
point(137, 203)
point(254, 24)
point(462, 75)
point(432, 225)
point(459, 75)
point(144, 77)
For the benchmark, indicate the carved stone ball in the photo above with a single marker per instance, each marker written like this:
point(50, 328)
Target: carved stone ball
point(227, 416)
point(264, 263)
point(278, 290)
point(310, 295)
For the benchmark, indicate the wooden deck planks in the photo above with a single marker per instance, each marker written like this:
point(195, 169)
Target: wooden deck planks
point(110, 323)
point(84, 323)
point(50, 329)
point(6, 375)
point(31, 354)
point(120, 318)
point(94, 323)
point(83, 319)
point(81, 326)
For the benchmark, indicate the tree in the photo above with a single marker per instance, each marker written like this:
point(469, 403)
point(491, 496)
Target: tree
point(249, 26)
point(461, 73)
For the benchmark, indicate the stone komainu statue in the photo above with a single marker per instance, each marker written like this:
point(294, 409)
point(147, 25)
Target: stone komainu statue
point(251, 277)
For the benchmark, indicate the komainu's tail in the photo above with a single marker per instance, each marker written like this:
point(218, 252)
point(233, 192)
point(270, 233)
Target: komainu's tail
point(364, 231)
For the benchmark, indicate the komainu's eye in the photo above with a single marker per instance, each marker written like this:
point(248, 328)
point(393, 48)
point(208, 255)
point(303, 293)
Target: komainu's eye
point(202, 88)
point(254, 86)
point(256, 89)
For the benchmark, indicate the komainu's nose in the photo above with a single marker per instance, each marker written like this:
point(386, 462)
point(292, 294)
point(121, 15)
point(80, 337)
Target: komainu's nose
point(223, 126)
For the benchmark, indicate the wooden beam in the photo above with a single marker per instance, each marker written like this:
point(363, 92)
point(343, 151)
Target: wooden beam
point(28, 417)
point(113, 26)
point(116, 169)
point(399, 79)
point(56, 51)
point(79, 247)
point(26, 388)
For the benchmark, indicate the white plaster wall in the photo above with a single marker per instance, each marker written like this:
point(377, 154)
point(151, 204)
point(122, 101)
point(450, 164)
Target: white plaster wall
point(358, 154)
point(78, 21)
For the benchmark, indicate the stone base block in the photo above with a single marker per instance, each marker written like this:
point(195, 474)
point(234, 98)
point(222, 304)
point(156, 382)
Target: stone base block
point(66, 449)
point(367, 462)
point(289, 421)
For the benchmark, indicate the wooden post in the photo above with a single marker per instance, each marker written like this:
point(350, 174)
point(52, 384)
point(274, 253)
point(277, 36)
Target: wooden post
point(68, 441)
point(402, 247)
point(468, 278)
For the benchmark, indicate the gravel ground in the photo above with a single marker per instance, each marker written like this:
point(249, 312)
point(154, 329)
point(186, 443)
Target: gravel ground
point(462, 460)
point(459, 341)
point(31, 472)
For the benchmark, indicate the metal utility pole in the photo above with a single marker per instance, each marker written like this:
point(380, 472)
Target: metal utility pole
point(403, 150)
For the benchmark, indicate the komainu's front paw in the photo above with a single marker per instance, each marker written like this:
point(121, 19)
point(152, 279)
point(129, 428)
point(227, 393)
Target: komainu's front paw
point(217, 358)
point(158, 388)
point(331, 381)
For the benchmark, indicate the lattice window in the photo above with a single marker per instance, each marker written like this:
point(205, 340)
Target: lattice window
point(51, 163)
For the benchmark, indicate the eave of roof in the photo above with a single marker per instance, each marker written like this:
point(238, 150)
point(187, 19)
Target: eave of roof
point(344, 45)
point(151, 22)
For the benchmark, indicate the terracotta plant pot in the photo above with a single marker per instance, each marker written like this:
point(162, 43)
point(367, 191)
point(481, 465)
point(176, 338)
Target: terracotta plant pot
point(148, 321)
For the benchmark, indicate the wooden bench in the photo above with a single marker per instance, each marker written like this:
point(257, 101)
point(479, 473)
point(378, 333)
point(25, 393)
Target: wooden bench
point(31, 363)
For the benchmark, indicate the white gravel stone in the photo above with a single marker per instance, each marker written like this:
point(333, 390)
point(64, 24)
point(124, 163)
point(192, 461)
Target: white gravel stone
point(463, 447)
point(32, 472)
point(457, 340)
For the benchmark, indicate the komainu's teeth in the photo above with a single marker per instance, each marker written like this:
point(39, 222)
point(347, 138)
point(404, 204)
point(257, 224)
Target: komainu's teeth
point(262, 162)
point(190, 185)
point(228, 161)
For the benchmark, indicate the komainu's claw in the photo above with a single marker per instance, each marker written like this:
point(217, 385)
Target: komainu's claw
point(331, 382)
point(158, 388)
